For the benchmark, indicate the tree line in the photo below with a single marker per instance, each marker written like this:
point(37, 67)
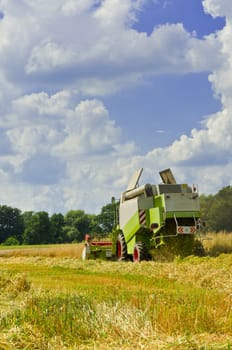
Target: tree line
point(217, 210)
point(30, 227)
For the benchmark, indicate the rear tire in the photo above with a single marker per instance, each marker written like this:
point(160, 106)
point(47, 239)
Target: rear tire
point(140, 252)
point(121, 247)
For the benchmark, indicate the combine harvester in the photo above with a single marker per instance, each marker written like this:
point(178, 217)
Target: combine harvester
point(151, 219)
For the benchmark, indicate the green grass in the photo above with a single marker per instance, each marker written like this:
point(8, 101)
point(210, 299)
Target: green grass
point(65, 303)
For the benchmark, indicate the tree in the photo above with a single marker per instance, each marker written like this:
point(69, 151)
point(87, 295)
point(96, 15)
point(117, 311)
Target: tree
point(11, 223)
point(37, 228)
point(217, 210)
point(71, 234)
point(27, 217)
point(94, 229)
point(57, 232)
point(78, 220)
point(106, 219)
point(221, 210)
point(11, 241)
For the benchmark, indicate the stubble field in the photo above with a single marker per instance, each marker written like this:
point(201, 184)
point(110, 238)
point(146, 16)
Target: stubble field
point(56, 301)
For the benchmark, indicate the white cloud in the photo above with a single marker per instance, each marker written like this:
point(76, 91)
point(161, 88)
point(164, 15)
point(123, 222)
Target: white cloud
point(57, 144)
point(117, 13)
point(73, 42)
point(218, 8)
point(62, 150)
point(89, 130)
point(41, 103)
point(48, 56)
point(32, 139)
point(71, 7)
point(54, 125)
point(205, 155)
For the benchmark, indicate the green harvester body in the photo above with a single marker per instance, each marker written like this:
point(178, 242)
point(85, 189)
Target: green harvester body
point(151, 217)
point(150, 214)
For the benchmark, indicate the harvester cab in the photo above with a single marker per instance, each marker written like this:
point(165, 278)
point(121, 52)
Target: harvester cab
point(153, 216)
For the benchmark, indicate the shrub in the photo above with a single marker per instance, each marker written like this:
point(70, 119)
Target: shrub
point(11, 241)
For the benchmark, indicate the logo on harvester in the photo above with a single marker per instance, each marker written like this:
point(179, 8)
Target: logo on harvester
point(142, 217)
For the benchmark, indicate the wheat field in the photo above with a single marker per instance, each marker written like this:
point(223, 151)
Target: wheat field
point(50, 299)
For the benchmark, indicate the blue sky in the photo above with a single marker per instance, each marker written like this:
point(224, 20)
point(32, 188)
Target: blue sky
point(155, 123)
point(92, 90)
point(190, 96)
point(191, 13)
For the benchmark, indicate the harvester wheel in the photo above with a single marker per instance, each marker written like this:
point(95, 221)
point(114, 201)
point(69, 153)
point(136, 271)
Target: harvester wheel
point(140, 252)
point(121, 247)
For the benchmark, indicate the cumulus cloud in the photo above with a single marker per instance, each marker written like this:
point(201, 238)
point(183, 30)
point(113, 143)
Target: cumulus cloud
point(55, 144)
point(205, 154)
point(60, 148)
point(89, 130)
point(218, 8)
point(77, 42)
